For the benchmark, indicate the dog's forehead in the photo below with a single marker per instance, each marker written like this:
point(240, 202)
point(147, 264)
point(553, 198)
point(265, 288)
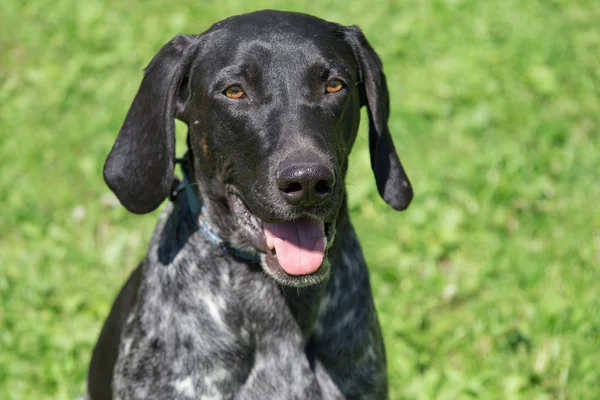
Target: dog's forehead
point(280, 31)
point(269, 23)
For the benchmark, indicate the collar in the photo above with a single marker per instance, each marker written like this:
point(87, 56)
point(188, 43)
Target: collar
point(199, 211)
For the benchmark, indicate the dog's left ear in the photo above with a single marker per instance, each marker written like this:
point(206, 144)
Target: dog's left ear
point(139, 168)
point(392, 182)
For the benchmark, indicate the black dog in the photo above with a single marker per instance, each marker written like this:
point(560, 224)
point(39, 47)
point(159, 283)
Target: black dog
point(244, 293)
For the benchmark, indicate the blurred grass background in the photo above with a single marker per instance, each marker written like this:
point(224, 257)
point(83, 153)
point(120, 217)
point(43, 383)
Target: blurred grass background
point(487, 286)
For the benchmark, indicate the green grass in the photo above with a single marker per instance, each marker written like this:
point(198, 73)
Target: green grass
point(487, 286)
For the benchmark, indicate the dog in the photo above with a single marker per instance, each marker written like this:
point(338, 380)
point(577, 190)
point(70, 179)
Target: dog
point(254, 285)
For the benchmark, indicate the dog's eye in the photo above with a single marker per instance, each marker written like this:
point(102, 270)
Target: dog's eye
point(334, 85)
point(234, 92)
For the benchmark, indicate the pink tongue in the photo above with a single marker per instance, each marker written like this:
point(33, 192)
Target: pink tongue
point(300, 245)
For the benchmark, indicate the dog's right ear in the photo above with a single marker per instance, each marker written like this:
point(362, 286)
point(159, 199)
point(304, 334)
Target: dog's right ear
point(139, 168)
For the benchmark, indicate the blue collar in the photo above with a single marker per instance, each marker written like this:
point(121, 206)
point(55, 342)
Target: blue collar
point(204, 226)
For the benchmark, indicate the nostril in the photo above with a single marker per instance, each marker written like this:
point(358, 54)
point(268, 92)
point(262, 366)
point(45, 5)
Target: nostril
point(291, 187)
point(322, 187)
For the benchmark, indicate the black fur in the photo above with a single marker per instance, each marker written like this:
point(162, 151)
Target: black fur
point(194, 321)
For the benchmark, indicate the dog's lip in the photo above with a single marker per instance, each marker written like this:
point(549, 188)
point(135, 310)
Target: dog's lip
point(252, 225)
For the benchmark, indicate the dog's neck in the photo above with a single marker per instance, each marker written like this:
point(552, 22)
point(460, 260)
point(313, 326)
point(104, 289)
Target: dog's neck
point(308, 305)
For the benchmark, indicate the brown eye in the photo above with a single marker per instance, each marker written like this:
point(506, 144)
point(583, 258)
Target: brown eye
point(334, 85)
point(234, 92)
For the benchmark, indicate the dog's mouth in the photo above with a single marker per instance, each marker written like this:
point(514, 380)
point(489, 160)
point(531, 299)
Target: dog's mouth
point(297, 246)
point(292, 251)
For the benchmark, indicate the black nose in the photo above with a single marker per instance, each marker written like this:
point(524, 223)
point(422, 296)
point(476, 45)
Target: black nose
point(305, 184)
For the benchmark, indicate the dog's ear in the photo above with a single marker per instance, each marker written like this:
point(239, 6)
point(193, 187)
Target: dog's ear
point(392, 182)
point(139, 168)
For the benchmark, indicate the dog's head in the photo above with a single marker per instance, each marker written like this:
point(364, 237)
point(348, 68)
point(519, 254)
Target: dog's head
point(272, 102)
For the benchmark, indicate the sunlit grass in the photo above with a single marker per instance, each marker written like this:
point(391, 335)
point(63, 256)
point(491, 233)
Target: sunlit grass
point(487, 286)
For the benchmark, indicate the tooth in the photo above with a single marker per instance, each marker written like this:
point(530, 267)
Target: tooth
point(270, 242)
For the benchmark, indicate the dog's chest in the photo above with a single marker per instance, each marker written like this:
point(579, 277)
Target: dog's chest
point(196, 335)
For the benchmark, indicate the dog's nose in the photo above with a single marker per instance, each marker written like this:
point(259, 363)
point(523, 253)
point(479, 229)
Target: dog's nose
point(305, 184)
